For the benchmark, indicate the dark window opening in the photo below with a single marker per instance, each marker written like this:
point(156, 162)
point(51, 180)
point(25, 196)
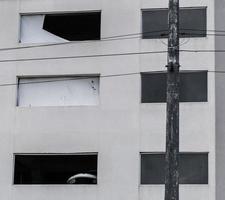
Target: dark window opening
point(193, 168)
point(74, 26)
point(55, 169)
point(192, 23)
point(193, 87)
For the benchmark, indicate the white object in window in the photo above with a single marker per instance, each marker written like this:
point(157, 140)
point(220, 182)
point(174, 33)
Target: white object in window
point(88, 177)
point(59, 91)
point(32, 30)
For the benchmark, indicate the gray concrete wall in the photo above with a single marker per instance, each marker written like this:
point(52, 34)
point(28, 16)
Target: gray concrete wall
point(120, 127)
point(220, 99)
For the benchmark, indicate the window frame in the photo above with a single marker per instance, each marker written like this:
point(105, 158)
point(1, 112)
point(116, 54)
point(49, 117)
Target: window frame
point(19, 77)
point(163, 153)
point(55, 13)
point(57, 154)
point(181, 72)
point(184, 8)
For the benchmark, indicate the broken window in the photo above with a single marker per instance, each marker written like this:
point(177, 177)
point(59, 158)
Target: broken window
point(192, 23)
point(55, 169)
point(58, 91)
point(60, 27)
point(193, 168)
point(193, 86)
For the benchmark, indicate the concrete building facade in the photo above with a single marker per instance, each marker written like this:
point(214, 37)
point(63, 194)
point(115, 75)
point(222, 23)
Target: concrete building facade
point(118, 127)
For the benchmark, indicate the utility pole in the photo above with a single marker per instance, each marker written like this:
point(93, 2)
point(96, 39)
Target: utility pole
point(172, 123)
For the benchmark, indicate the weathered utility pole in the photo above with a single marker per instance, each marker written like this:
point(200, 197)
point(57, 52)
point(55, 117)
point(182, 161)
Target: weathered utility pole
point(172, 123)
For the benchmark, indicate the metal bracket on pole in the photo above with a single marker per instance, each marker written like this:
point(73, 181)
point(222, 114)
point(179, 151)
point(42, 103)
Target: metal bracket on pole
point(172, 67)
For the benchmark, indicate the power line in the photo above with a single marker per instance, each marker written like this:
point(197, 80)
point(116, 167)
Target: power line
point(116, 37)
point(69, 77)
point(201, 34)
point(109, 55)
point(103, 39)
point(83, 56)
point(203, 51)
point(204, 30)
point(66, 78)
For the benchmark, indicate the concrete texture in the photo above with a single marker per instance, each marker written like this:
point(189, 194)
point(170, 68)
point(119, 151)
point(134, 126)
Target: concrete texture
point(220, 99)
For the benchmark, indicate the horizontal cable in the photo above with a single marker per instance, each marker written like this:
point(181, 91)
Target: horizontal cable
point(109, 55)
point(69, 77)
point(82, 56)
point(66, 78)
point(112, 38)
point(103, 39)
